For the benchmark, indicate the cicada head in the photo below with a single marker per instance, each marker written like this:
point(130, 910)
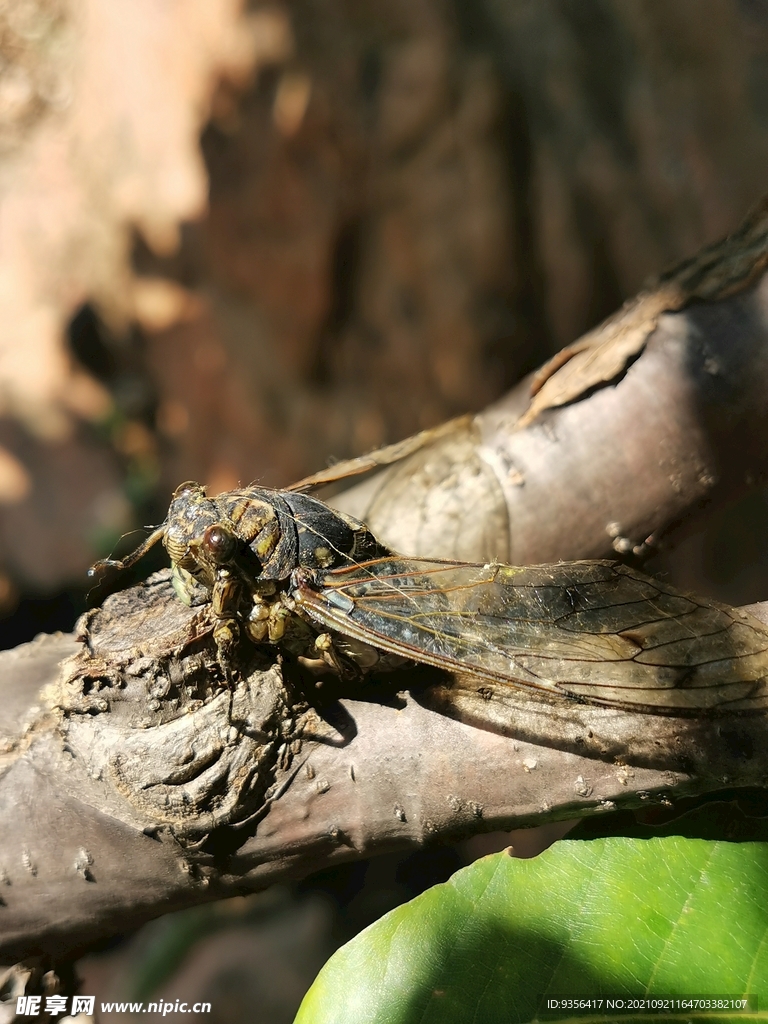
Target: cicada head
point(191, 518)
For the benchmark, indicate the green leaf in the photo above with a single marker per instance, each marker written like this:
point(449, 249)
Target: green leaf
point(608, 917)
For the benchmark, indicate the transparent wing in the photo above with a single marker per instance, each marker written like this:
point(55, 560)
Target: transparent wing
point(596, 632)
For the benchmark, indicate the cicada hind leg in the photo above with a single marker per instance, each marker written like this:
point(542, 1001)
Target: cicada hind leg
point(350, 659)
point(321, 657)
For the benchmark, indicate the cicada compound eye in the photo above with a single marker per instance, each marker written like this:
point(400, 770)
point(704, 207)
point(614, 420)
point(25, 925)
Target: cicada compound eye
point(188, 487)
point(219, 543)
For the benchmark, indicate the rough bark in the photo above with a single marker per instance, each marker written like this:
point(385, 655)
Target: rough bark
point(133, 781)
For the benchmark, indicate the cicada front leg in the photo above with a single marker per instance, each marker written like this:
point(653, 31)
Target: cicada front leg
point(225, 599)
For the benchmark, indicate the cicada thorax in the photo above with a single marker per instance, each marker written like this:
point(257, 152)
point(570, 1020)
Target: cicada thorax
point(265, 546)
point(328, 539)
point(285, 531)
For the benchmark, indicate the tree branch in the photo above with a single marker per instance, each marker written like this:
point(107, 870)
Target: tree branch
point(133, 782)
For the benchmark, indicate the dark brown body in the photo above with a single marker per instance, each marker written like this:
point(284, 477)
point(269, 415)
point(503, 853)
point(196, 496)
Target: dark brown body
point(276, 531)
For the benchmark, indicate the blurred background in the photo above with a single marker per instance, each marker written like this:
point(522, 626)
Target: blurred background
point(238, 239)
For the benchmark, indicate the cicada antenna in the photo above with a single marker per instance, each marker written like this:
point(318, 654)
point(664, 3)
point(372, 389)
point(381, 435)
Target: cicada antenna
point(133, 558)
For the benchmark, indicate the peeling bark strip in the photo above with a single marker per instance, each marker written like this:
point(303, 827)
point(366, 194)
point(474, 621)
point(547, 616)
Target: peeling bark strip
point(718, 272)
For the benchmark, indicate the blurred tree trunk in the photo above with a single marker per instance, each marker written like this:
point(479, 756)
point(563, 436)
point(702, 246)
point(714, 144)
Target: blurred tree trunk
point(457, 190)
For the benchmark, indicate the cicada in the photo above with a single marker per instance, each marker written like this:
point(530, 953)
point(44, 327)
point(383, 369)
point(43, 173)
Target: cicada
point(283, 568)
